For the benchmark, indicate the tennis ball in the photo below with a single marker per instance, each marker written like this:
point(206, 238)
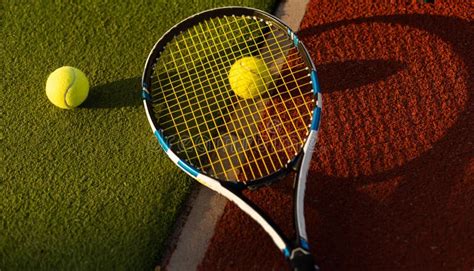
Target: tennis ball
point(67, 87)
point(248, 77)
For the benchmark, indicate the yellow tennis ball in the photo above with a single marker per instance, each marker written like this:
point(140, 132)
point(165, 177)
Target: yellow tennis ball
point(248, 77)
point(67, 87)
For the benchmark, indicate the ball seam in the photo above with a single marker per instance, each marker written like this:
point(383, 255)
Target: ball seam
point(69, 88)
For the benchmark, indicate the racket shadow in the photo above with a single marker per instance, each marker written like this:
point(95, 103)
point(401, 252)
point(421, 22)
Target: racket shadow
point(416, 213)
point(116, 94)
point(351, 74)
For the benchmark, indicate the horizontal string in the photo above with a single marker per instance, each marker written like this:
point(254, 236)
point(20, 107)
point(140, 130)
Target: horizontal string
point(247, 135)
point(241, 108)
point(288, 45)
point(240, 129)
point(199, 69)
point(263, 144)
point(193, 53)
point(209, 30)
point(224, 80)
point(205, 95)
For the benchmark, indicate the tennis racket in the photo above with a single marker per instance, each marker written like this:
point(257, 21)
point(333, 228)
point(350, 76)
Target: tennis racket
point(226, 142)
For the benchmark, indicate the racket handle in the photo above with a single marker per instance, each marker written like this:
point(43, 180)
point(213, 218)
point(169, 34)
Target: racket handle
point(301, 260)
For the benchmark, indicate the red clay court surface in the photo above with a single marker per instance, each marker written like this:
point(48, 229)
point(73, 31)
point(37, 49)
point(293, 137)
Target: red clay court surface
point(391, 183)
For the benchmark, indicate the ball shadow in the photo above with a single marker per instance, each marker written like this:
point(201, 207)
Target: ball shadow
point(121, 93)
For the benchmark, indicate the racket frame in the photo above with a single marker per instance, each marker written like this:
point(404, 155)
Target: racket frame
point(297, 252)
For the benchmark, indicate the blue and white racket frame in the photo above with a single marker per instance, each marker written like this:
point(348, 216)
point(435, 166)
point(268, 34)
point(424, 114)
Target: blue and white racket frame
point(298, 251)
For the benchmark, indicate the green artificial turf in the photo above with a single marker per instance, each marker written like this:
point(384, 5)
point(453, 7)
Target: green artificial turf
point(85, 189)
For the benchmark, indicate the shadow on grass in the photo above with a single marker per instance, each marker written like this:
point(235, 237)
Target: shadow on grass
point(121, 93)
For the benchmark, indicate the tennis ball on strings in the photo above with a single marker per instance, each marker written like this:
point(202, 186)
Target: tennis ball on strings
point(67, 87)
point(248, 77)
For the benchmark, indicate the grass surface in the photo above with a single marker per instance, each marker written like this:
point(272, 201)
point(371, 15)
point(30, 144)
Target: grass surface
point(87, 188)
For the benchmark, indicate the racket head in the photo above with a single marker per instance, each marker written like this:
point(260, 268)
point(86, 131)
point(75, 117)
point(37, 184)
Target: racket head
point(199, 121)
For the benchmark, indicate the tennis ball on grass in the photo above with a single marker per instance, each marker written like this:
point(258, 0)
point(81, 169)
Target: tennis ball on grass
point(248, 77)
point(67, 87)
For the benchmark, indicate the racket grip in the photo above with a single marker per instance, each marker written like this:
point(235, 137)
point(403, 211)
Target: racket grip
point(303, 261)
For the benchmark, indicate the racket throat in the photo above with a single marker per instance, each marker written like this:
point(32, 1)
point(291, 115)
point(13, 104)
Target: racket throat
point(301, 260)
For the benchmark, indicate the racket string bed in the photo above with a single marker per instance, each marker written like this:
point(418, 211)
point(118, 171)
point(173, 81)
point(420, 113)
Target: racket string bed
point(257, 159)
